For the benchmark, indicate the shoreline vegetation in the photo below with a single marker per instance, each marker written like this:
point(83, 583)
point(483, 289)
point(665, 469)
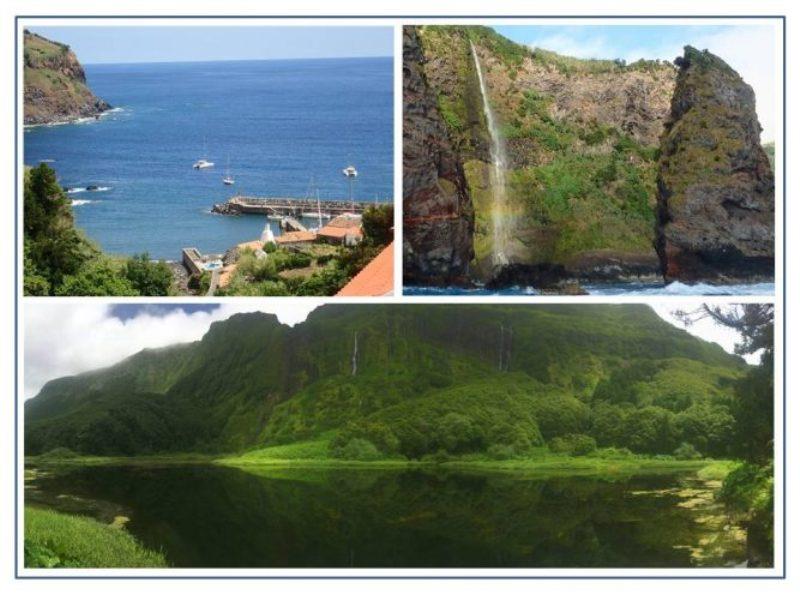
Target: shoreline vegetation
point(316, 455)
point(54, 539)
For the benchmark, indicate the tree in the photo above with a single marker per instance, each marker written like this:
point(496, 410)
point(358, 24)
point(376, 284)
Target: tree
point(752, 405)
point(650, 430)
point(748, 490)
point(149, 278)
point(378, 223)
point(53, 248)
point(97, 278)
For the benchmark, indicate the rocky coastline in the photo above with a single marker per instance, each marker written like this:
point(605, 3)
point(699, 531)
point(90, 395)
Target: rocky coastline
point(55, 88)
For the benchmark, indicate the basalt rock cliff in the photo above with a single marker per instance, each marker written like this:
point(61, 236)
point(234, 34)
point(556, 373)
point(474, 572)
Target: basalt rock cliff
point(716, 188)
point(437, 213)
point(54, 81)
point(586, 152)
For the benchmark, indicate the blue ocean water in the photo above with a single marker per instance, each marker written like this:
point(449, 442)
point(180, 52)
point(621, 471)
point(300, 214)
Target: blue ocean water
point(615, 289)
point(281, 122)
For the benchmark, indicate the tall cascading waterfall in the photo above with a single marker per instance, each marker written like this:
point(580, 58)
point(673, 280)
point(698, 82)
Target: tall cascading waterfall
point(497, 177)
point(354, 359)
point(504, 354)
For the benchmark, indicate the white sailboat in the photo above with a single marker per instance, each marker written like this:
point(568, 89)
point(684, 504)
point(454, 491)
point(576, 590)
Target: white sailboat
point(228, 179)
point(318, 214)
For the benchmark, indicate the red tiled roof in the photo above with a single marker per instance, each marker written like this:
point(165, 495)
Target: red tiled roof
point(292, 237)
point(339, 232)
point(345, 221)
point(376, 279)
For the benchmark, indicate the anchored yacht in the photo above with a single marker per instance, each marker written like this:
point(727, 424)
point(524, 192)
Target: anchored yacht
point(203, 164)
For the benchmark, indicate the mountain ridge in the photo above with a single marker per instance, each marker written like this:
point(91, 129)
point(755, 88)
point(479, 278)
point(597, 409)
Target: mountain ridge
point(252, 381)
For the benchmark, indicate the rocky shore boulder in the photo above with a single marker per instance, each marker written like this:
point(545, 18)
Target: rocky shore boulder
point(437, 212)
point(715, 219)
point(55, 87)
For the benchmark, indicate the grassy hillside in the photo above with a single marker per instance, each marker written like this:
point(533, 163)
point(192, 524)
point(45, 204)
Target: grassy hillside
point(405, 381)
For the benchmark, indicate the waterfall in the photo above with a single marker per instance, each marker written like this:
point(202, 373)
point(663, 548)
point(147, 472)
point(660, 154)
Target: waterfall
point(354, 360)
point(497, 178)
point(506, 337)
point(508, 346)
point(500, 362)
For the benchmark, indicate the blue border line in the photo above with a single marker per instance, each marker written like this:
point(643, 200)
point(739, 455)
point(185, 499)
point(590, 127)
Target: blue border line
point(371, 577)
point(785, 439)
point(16, 299)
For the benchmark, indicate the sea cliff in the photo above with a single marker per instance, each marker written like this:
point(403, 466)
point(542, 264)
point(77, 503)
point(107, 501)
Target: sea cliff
point(55, 87)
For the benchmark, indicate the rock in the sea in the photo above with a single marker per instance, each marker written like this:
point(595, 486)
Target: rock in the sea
point(55, 84)
point(715, 186)
point(437, 212)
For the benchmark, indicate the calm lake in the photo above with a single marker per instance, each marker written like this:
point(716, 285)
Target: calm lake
point(209, 516)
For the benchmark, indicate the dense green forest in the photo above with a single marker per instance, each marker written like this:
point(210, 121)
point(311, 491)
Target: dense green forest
point(59, 260)
point(409, 381)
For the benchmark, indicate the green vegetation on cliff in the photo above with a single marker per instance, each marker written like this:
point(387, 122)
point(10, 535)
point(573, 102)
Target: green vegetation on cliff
point(55, 83)
point(582, 172)
point(405, 382)
point(59, 260)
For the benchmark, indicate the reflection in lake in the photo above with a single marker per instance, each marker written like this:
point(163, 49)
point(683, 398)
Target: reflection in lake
point(209, 516)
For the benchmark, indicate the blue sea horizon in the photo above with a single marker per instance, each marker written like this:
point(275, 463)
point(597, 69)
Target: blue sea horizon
point(279, 124)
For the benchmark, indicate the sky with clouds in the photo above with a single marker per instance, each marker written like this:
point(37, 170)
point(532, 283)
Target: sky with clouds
point(750, 49)
point(67, 339)
point(137, 44)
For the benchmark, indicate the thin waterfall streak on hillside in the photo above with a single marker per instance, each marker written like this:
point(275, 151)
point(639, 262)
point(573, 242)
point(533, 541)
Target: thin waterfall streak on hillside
point(497, 177)
point(354, 360)
point(508, 351)
point(500, 362)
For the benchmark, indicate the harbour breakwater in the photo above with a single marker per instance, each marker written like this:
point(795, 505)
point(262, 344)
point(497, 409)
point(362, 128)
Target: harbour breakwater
point(287, 207)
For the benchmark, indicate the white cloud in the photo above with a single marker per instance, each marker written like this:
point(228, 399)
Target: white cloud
point(749, 49)
point(66, 339)
point(706, 328)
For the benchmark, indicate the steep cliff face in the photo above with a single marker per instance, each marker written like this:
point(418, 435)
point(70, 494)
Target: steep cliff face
point(716, 186)
point(55, 87)
point(581, 138)
point(437, 212)
point(252, 380)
